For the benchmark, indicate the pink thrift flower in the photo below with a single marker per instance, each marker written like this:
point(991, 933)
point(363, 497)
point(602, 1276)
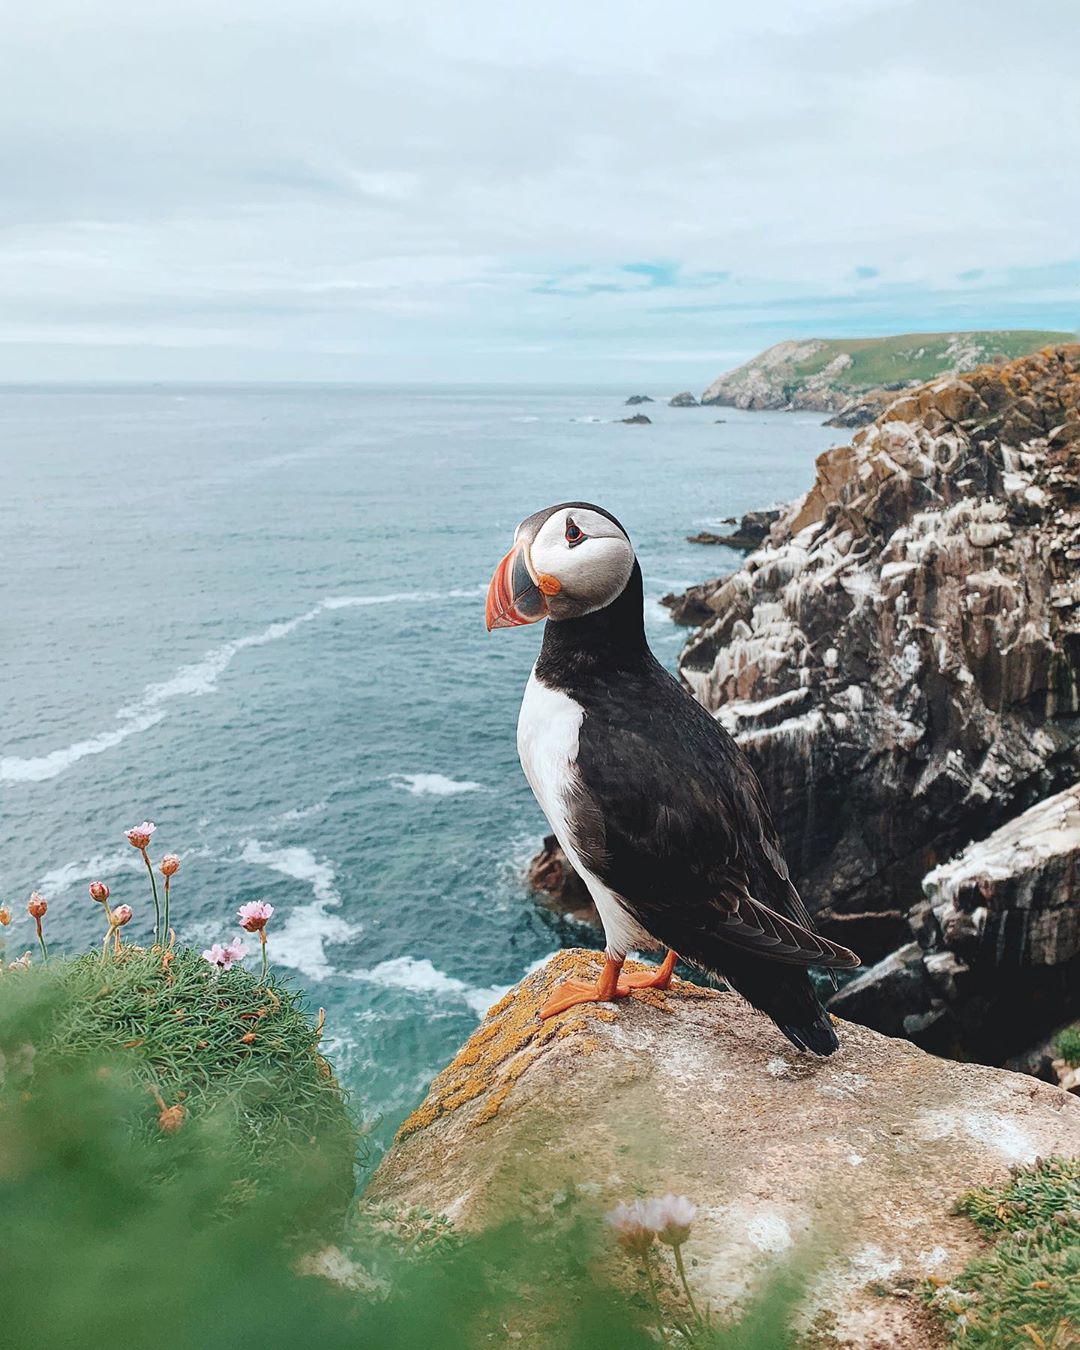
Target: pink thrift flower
point(139, 835)
point(255, 915)
point(170, 864)
point(633, 1226)
point(121, 915)
point(224, 955)
point(99, 892)
point(671, 1217)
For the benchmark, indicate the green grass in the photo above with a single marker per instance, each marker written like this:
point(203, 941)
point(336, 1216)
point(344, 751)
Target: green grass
point(1067, 1044)
point(218, 1050)
point(919, 356)
point(1025, 1290)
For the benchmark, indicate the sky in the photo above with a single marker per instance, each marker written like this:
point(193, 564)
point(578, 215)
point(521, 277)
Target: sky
point(639, 194)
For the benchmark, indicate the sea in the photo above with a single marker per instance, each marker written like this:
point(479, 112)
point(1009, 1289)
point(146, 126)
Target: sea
point(255, 616)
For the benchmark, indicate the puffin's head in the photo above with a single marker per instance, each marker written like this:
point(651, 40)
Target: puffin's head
point(567, 561)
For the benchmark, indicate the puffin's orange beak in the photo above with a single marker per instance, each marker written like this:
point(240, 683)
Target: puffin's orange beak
point(513, 597)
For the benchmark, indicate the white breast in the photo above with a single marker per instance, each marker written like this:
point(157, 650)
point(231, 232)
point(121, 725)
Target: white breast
point(547, 737)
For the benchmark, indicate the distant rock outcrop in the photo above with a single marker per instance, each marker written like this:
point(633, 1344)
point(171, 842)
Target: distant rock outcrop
point(635, 399)
point(854, 1161)
point(858, 377)
point(752, 532)
point(683, 400)
point(637, 420)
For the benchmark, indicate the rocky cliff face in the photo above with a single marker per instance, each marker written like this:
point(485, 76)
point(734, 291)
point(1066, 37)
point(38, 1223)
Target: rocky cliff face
point(850, 1164)
point(902, 660)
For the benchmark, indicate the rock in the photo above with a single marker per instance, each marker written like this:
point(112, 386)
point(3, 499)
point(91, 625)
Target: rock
point(638, 420)
point(753, 530)
point(691, 607)
point(857, 1158)
point(635, 399)
point(553, 878)
point(998, 959)
point(862, 410)
point(901, 661)
point(683, 400)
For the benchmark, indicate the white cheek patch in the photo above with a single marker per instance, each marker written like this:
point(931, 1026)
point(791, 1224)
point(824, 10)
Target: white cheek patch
point(592, 572)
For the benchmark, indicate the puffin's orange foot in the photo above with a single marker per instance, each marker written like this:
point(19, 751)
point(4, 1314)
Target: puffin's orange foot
point(573, 992)
point(657, 979)
point(612, 984)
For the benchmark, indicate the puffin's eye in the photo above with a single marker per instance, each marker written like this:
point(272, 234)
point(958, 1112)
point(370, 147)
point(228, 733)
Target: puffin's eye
point(573, 534)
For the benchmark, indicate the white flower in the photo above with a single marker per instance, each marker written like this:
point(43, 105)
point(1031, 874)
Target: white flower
point(670, 1218)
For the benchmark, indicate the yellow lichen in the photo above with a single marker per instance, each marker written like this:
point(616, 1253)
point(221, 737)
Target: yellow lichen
point(512, 1037)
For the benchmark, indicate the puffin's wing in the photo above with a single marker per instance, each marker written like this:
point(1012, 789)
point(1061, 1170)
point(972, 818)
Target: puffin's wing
point(757, 928)
point(668, 813)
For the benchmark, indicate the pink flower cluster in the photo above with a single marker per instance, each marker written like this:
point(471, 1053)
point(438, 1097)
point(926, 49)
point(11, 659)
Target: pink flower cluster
point(225, 955)
point(668, 1219)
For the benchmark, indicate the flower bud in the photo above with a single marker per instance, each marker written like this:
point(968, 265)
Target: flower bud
point(99, 892)
point(121, 915)
point(170, 864)
point(5, 915)
point(37, 906)
point(171, 1118)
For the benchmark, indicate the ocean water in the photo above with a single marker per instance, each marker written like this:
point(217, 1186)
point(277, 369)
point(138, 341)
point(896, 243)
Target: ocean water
point(255, 616)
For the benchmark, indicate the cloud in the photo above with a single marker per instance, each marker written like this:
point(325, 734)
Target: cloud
point(413, 190)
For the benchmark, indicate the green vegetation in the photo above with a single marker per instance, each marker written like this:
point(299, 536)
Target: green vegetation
point(910, 357)
point(1068, 1044)
point(175, 1168)
point(1025, 1290)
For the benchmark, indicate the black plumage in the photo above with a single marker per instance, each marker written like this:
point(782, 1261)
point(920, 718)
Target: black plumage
point(668, 813)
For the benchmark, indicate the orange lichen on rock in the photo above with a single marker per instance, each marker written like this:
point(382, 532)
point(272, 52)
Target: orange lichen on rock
point(512, 1037)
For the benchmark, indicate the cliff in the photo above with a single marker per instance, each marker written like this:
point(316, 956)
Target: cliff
point(854, 377)
point(901, 661)
point(850, 1166)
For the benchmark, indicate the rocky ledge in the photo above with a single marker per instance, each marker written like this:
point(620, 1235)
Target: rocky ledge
point(848, 1165)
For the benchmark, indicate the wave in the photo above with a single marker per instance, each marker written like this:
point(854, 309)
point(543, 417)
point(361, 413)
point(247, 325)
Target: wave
point(433, 784)
point(301, 941)
point(300, 813)
point(63, 878)
point(194, 681)
point(420, 976)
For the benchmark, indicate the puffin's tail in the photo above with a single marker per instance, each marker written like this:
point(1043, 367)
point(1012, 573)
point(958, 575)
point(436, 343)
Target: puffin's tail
point(787, 995)
point(818, 1036)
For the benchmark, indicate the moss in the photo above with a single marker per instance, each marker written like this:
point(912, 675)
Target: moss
point(512, 1037)
point(1025, 1289)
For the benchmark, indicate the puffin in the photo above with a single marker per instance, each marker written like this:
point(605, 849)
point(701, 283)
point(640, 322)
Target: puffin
point(653, 802)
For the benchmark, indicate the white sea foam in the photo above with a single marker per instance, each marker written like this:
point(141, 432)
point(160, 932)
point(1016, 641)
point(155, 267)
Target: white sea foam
point(301, 813)
point(420, 976)
point(193, 681)
point(63, 878)
point(433, 784)
point(301, 940)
